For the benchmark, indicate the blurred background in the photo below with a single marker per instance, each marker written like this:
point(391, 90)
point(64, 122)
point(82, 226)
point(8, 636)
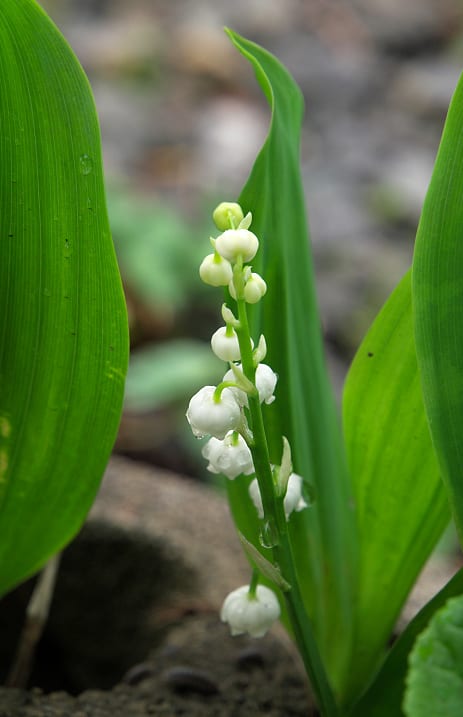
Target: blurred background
point(182, 119)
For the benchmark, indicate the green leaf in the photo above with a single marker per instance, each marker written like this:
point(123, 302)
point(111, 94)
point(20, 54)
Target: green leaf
point(385, 695)
point(323, 536)
point(63, 328)
point(435, 680)
point(438, 304)
point(267, 569)
point(400, 500)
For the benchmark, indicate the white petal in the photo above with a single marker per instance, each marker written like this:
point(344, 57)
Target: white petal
point(208, 417)
point(237, 242)
point(224, 346)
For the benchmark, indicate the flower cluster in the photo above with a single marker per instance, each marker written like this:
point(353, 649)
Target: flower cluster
point(222, 411)
point(217, 411)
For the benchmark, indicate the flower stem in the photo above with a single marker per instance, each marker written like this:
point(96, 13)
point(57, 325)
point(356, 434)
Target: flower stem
point(282, 550)
point(254, 583)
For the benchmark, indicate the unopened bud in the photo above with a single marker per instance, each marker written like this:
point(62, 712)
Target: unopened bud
point(224, 343)
point(227, 215)
point(215, 270)
point(254, 288)
point(235, 243)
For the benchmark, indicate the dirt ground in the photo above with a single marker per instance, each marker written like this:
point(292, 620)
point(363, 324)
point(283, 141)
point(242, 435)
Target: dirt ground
point(200, 671)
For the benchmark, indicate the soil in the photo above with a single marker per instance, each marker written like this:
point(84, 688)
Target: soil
point(134, 627)
point(199, 671)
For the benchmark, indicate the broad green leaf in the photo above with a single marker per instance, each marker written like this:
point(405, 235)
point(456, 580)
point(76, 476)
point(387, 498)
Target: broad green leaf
point(63, 329)
point(400, 500)
point(435, 679)
point(385, 695)
point(438, 304)
point(324, 535)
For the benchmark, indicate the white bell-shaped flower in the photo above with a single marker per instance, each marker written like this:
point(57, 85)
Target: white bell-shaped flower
point(208, 417)
point(231, 457)
point(224, 343)
point(252, 614)
point(234, 243)
point(293, 500)
point(254, 289)
point(266, 381)
point(215, 270)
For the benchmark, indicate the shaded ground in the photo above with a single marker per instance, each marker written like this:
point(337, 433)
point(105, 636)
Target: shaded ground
point(200, 672)
point(136, 608)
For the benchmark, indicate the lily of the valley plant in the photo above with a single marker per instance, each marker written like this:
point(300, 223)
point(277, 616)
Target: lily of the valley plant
point(337, 521)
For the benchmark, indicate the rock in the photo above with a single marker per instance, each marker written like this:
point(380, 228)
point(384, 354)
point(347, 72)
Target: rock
point(190, 520)
point(409, 28)
point(425, 87)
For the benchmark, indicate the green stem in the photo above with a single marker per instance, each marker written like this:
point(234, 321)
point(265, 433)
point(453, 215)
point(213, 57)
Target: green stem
point(254, 583)
point(282, 551)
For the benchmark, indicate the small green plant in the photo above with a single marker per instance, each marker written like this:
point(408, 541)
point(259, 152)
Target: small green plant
point(337, 523)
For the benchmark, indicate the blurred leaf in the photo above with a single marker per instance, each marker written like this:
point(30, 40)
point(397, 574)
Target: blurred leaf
point(435, 679)
point(63, 329)
point(400, 500)
point(438, 304)
point(385, 695)
point(159, 253)
point(170, 372)
point(323, 536)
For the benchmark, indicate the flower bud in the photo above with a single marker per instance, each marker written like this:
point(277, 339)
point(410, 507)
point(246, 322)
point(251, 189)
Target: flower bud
point(266, 381)
point(254, 289)
point(234, 243)
point(227, 214)
point(231, 457)
point(224, 343)
point(253, 614)
point(293, 500)
point(207, 416)
point(215, 270)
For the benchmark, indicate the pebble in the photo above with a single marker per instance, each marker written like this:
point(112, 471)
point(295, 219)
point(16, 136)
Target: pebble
point(138, 673)
point(250, 657)
point(189, 679)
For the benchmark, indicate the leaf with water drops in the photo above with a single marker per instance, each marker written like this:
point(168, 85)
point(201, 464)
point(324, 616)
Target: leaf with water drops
point(63, 327)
